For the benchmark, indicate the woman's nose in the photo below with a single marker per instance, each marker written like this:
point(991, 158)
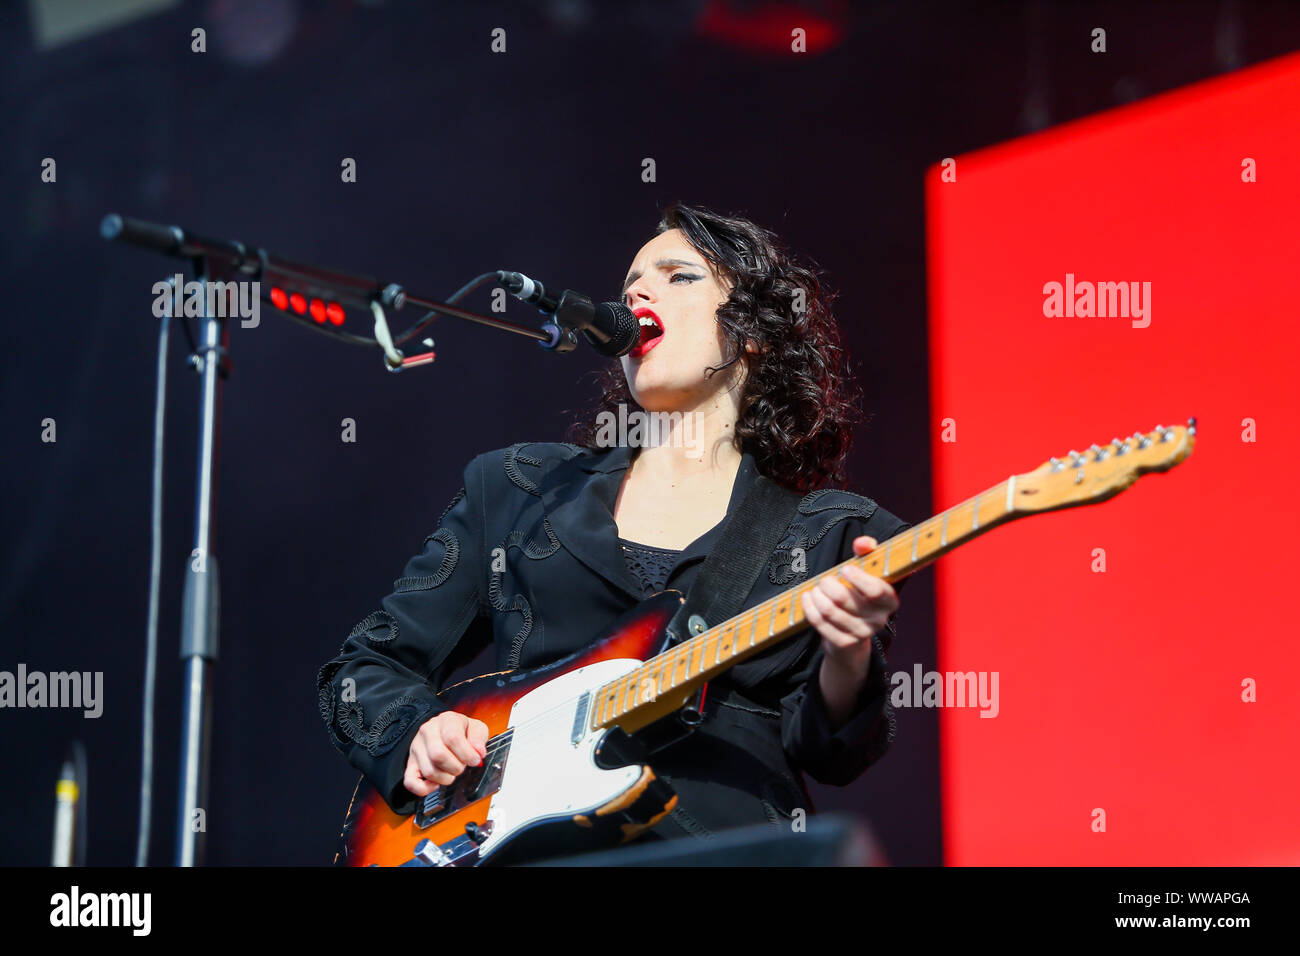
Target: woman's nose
point(638, 292)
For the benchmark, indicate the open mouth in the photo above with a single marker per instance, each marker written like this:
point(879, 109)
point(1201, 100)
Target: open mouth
point(652, 332)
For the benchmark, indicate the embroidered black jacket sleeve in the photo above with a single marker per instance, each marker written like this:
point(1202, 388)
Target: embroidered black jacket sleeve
point(838, 757)
point(379, 689)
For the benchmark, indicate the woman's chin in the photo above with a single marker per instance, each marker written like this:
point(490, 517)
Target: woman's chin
point(658, 396)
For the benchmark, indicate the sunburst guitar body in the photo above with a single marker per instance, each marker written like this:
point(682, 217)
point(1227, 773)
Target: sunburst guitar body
point(551, 784)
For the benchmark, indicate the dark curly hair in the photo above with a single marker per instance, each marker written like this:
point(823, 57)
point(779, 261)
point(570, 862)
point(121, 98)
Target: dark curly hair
point(798, 405)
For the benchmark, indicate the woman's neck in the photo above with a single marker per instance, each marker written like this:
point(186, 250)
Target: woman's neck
point(693, 445)
point(674, 491)
point(674, 466)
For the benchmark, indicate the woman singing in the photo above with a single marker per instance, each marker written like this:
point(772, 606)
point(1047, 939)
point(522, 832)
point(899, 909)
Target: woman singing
point(548, 542)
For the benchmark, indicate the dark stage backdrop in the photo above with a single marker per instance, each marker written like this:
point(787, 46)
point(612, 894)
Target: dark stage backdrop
point(467, 161)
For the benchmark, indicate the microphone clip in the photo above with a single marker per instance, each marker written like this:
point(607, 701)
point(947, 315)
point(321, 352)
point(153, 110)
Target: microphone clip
point(573, 313)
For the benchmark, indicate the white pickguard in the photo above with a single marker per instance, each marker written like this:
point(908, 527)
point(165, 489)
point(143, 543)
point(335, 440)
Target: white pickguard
point(547, 775)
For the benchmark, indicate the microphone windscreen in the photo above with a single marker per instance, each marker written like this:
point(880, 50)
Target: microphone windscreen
point(622, 327)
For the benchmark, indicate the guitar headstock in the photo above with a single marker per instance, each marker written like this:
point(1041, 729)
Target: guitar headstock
point(1102, 471)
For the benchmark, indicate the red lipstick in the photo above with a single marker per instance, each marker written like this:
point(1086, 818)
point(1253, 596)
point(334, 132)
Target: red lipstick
point(651, 335)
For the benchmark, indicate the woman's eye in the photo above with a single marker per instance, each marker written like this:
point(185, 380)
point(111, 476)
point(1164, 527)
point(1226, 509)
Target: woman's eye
point(683, 276)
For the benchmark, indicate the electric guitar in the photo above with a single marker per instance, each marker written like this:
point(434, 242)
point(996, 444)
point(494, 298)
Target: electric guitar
point(566, 769)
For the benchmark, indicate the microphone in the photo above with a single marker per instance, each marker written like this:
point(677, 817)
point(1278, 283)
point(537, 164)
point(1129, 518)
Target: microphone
point(610, 327)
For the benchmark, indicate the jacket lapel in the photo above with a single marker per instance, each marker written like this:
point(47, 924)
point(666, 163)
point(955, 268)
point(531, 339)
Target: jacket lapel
point(578, 498)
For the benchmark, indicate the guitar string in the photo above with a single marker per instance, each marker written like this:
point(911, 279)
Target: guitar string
point(750, 615)
point(499, 742)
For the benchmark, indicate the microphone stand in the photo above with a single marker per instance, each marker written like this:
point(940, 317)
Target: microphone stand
point(211, 358)
point(201, 604)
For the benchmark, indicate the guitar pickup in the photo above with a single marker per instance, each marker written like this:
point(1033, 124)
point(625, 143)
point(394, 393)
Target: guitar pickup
point(580, 719)
point(473, 783)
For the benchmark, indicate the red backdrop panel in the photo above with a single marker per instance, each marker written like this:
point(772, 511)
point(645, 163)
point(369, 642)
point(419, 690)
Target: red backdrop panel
point(1121, 690)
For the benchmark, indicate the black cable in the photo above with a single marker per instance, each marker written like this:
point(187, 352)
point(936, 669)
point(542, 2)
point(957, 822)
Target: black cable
point(456, 296)
point(155, 583)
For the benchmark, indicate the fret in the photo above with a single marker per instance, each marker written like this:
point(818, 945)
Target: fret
point(916, 536)
point(629, 697)
point(659, 677)
point(610, 706)
point(608, 699)
point(753, 629)
point(943, 538)
point(607, 702)
point(976, 523)
point(791, 596)
point(650, 684)
point(730, 644)
point(886, 571)
point(674, 664)
point(697, 662)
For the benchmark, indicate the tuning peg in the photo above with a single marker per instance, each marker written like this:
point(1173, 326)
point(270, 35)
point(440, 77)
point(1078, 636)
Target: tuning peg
point(1191, 426)
point(1075, 459)
point(1120, 446)
point(1142, 440)
point(1056, 464)
point(1098, 453)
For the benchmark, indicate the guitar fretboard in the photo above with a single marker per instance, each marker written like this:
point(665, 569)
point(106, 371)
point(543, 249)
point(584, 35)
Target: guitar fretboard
point(708, 654)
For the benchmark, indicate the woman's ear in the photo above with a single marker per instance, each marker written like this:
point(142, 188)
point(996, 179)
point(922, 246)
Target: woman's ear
point(751, 346)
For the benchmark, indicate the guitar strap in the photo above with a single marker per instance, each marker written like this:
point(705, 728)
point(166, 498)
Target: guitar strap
point(728, 574)
point(748, 539)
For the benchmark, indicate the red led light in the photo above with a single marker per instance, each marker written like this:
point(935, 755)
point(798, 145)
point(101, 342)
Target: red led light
point(298, 303)
point(335, 313)
point(278, 298)
point(318, 310)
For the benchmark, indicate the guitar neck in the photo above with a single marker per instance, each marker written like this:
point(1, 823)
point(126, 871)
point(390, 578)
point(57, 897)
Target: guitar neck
point(665, 682)
point(676, 673)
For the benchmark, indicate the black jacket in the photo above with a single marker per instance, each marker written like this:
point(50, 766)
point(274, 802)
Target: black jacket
point(548, 508)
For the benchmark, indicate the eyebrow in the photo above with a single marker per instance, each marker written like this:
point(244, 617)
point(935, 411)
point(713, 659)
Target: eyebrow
point(659, 264)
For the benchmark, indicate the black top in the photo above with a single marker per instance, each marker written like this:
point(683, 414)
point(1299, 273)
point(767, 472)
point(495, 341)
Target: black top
point(651, 565)
point(527, 559)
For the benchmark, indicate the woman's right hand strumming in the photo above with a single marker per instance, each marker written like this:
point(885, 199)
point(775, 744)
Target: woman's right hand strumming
point(443, 747)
